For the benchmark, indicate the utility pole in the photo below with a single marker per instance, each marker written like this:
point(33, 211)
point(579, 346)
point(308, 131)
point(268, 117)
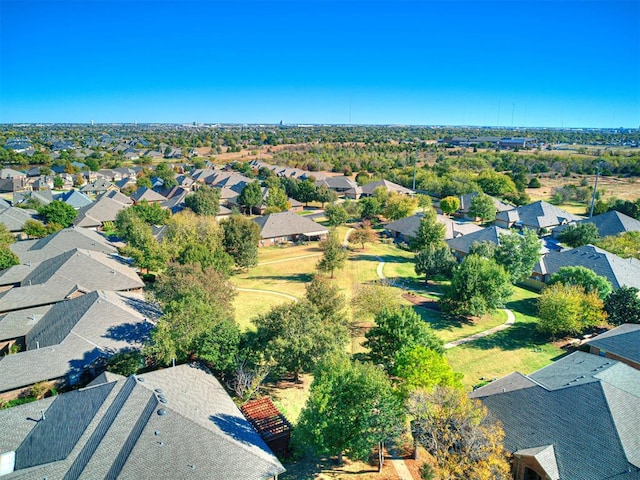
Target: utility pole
point(415, 169)
point(595, 188)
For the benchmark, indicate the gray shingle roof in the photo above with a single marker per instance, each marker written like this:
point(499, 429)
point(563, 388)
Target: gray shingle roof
point(489, 234)
point(619, 271)
point(409, 226)
point(587, 407)
point(14, 218)
point(538, 215)
point(74, 198)
point(368, 188)
point(102, 210)
point(613, 223)
point(85, 328)
point(283, 224)
point(623, 341)
point(145, 193)
point(19, 323)
point(201, 434)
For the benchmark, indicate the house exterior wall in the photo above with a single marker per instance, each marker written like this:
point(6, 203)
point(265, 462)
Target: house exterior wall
point(596, 351)
point(520, 464)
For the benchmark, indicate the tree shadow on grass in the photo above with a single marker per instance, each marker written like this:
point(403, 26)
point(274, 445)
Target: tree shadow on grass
point(296, 277)
point(527, 306)
point(519, 335)
point(440, 321)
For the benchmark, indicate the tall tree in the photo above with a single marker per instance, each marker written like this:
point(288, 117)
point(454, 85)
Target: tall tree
point(434, 259)
point(580, 234)
point(334, 256)
point(241, 240)
point(430, 231)
point(336, 215)
point(293, 337)
point(420, 367)
point(363, 234)
point(277, 199)
point(351, 409)
point(625, 245)
point(399, 206)
point(370, 207)
point(327, 298)
point(151, 213)
point(250, 197)
point(305, 192)
point(58, 212)
point(204, 201)
point(479, 285)
point(395, 330)
point(583, 277)
point(482, 207)
point(325, 195)
point(566, 309)
point(623, 306)
point(369, 301)
point(450, 205)
point(457, 432)
point(518, 254)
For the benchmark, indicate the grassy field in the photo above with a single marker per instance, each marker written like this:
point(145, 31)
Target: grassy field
point(519, 348)
point(251, 304)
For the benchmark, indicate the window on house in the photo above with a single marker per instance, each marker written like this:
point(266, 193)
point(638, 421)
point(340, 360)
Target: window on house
point(531, 474)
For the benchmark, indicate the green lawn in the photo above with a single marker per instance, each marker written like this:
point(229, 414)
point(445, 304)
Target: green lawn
point(519, 348)
point(249, 305)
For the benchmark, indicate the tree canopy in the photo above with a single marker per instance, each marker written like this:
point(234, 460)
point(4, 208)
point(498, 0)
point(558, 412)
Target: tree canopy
point(58, 212)
point(518, 254)
point(482, 207)
point(241, 240)
point(334, 254)
point(204, 201)
point(623, 306)
point(581, 234)
point(583, 277)
point(434, 259)
point(430, 231)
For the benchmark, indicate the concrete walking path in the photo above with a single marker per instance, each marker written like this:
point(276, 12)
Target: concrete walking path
point(398, 464)
point(268, 292)
point(511, 318)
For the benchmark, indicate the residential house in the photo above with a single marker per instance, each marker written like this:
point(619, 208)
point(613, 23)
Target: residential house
point(390, 187)
point(31, 251)
point(610, 223)
point(621, 343)
point(14, 184)
point(460, 246)
point(577, 418)
point(104, 209)
point(343, 186)
point(62, 342)
point(405, 229)
point(178, 422)
point(99, 186)
point(465, 204)
point(619, 271)
point(288, 227)
point(539, 216)
point(43, 197)
point(14, 218)
point(64, 276)
point(74, 198)
point(147, 195)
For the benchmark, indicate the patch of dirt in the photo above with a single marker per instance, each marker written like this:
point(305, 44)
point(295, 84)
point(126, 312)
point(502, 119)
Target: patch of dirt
point(422, 301)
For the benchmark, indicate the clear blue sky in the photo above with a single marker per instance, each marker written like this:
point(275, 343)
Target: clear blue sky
point(522, 63)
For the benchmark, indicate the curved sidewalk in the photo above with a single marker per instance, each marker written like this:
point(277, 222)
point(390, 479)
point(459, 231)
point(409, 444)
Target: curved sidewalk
point(511, 318)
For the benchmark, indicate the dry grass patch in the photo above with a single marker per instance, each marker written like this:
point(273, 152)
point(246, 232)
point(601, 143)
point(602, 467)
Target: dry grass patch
point(249, 305)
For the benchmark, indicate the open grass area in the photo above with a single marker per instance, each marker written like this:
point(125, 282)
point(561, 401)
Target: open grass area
point(450, 329)
point(249, 305)
point(519, 348)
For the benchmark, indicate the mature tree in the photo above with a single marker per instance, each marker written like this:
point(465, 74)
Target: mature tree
point(351, 409)
point(144, 181)
point(58, 183)
point(219, 346)
point(204, 201)
point(241, 240)
point(7, 257)
point(479, 285)
point(293, 337)
point(6, 237)
point(336, 215)
point(126, 362)
point(583, 277)
point(484, 249)
point(399, 206)
point(457, 432)
point(518, 254)
point(35, 229)
point(58, 212)
point(494, 183)
point(623, 306)
point(151, 213)
point(363, 234)
point(581, 234)
point(397, 329)
point(192, 238)
point(334, 256)
point(325, 195)
point(450, 205)
point(567, 309)
point(327, 298)
point(369, 301)
point(141, 245)
point(277, 199)
point(434, 259)
point(165, 173)
point(306, 191)
point(625, 245)
point(250, 197)
point(424, 201)
point(370, 207)
point(430, 231)
point(423, 368)
point(353, 208)
point(482, 207)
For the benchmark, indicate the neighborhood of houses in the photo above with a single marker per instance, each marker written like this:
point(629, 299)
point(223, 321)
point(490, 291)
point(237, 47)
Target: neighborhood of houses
point(73, 301)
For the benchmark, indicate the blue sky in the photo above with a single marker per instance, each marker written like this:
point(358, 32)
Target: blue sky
point(520, 63)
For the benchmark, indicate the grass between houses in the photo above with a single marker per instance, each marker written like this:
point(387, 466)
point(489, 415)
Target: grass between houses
point(519, 348)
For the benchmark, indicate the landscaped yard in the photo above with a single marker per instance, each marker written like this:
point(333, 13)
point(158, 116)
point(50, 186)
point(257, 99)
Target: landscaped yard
point(519, 348)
